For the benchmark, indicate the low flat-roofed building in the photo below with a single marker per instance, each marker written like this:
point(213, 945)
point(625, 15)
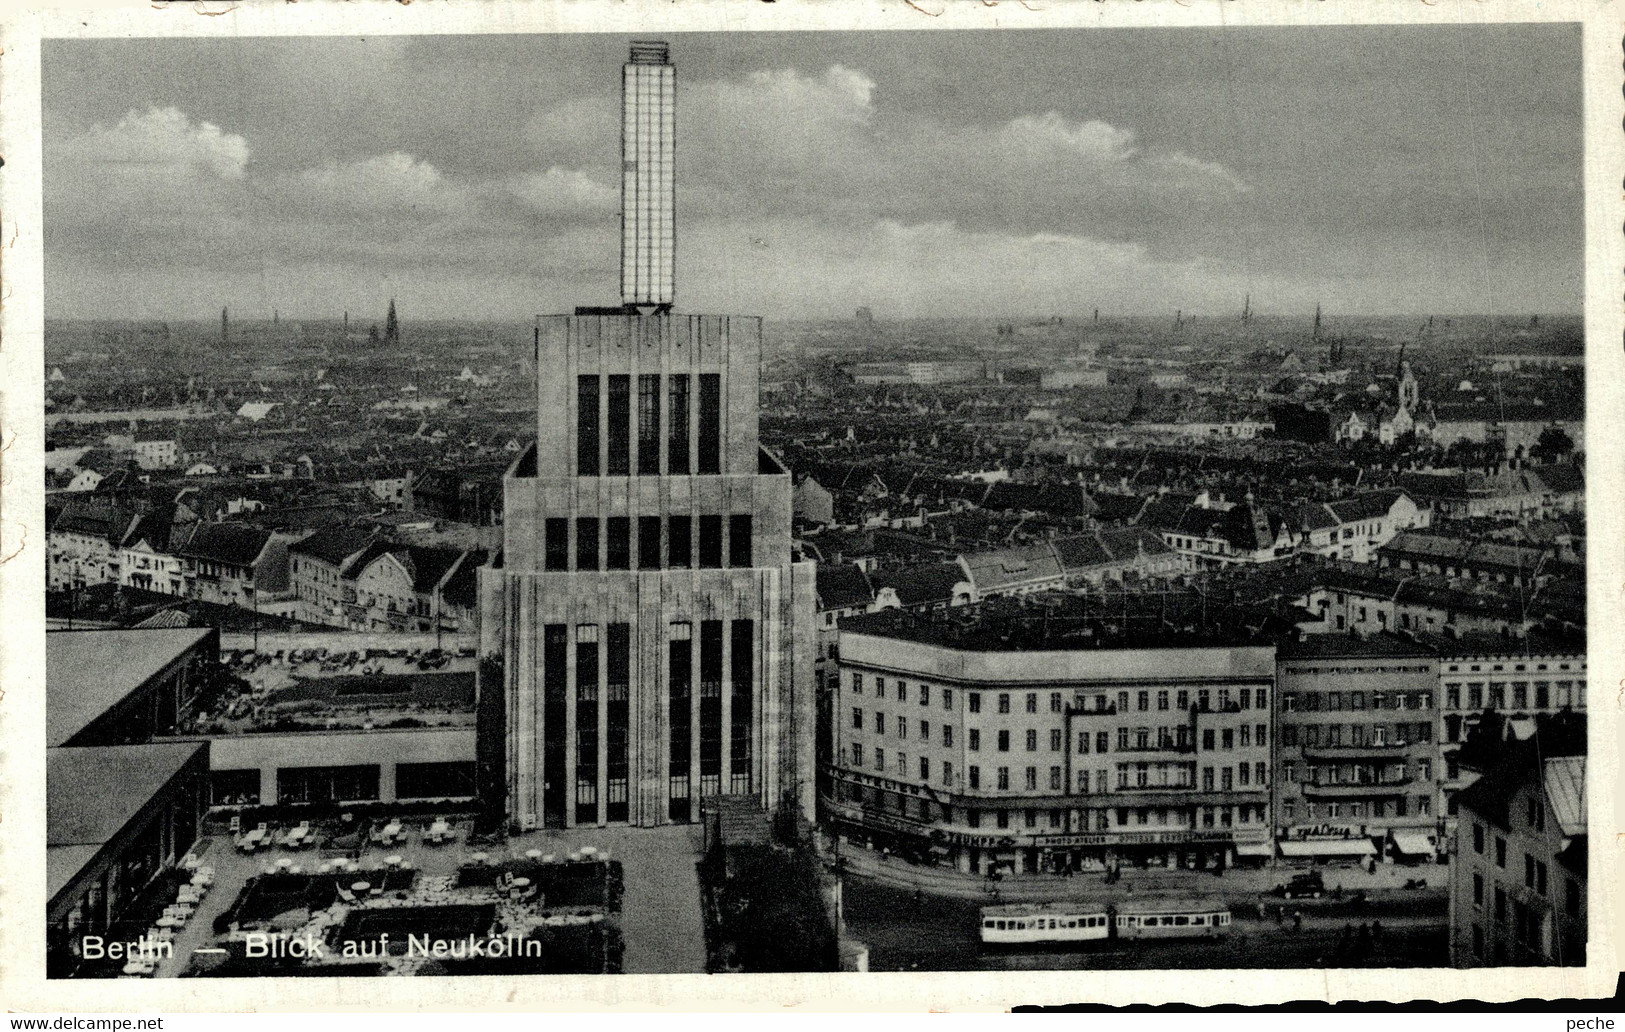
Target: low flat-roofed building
point(113, 687)
point(117, 817)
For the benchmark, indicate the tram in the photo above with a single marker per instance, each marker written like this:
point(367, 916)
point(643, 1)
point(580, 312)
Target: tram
point(1039, 923)
point(1045, 922)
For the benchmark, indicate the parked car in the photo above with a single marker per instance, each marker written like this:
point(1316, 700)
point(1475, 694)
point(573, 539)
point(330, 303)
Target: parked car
point(1309, 884)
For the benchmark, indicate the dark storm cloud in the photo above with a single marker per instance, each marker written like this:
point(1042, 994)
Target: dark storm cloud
point(1420, 169)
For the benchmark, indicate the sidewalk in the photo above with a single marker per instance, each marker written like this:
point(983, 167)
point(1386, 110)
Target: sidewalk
point(1039, 888)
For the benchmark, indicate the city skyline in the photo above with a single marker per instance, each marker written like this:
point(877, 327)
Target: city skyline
point(1147, 166)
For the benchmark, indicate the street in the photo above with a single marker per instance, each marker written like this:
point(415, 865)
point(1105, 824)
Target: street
point(939, 933)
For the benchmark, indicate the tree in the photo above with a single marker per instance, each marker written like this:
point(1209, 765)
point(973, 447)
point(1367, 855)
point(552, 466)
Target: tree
point(1554, 443)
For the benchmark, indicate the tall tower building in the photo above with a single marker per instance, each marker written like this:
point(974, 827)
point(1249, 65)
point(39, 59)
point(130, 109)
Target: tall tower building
point(646, 634)
point(648, 177)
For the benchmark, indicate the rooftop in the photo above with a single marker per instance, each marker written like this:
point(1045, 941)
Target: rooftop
point(1169, 620)
point(89, 672)
point(91, 794)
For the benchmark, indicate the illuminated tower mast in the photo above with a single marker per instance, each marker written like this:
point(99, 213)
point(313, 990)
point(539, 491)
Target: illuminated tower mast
point(648, 178)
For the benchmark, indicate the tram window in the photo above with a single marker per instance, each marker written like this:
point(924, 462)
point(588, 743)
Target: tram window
point(990, 923)
point(1052, 922)
point(1224, 918)
point(1199, 920)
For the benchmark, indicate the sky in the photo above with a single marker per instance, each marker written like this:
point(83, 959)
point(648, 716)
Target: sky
point(1373, 170)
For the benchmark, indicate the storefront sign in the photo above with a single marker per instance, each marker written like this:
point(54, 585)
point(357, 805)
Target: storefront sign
point(1329, 831)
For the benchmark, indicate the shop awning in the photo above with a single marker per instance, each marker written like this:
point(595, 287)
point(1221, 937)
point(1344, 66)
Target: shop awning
point(1412, 843)
point(1329, 847)
point(1255, 849)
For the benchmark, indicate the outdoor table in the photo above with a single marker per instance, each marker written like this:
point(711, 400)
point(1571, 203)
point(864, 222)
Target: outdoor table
point(166, 922)
point(589, 850)
point(284, 863)
point(481, 858)
point(519, 883)
point(534, 854)
point(393, 861)
point(201, 880)
point(361, 887)
point(440, 827)
point(136, 967)
point(548, 858)
point(268, 869)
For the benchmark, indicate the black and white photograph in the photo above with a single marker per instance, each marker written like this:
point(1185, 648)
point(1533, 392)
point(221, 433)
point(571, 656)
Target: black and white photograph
point(652, 502)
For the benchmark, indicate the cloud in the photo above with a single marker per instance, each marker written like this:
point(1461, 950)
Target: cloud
point(1051, 134)
point(564, 191)
point(160, 142)
point(385, 181)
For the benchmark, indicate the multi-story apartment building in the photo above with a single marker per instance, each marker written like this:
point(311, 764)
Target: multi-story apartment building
point(991, 737)
point(1356, 749)
point(1518, 878)
point(1519, 679)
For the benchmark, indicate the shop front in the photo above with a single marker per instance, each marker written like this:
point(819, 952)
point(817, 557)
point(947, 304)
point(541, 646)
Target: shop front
point(1411, 846)
point(1330, 844)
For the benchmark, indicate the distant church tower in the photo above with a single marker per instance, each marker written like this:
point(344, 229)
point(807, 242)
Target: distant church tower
point(647, 641)
point(225, 326)
point(392, 327)
point(1409, 391)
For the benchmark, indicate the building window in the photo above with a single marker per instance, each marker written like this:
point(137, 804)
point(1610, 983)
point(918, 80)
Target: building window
point(677, 443)
point(1032, 779)
point(975, 742)
point(1055, 702)
point(857, 754)
point(1162, 700)
point(1004, 779)
point(1102, 742)
point(710, 423)
point(620, 425)
point(947, 774)
point(975, 773)
point(1004, 702)
point(586, 543)
point(948, 699)
point(1032, 740)
point(857, 718)
point(710, 542)
point(880, 759)
point(948, 736)
point(925, 769)
point(1055, 739)
point(975, 700)
point(1478, 839)
point(1500, 852)
point(740, 551)
point(680, 542)
point(557, 543)
point(649, 424)
point(587, 424)
point(618, 550)
point(1004, 741)
point(648, 542)
point(1032, 702)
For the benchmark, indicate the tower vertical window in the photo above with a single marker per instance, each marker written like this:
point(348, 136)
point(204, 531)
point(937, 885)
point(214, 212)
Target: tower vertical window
point(680, 543)
point(620, 425)
point(742, 651)
point(648, 424)
point(557, 545)
point(710, 542)
point(587, 424)
point(619, 550)
point(619, 690)
point(586, 543)
point(680, 719)
point(648, 542)
point(677, 419)
point(739, 541)
point(711, 730)
point(710, 423)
